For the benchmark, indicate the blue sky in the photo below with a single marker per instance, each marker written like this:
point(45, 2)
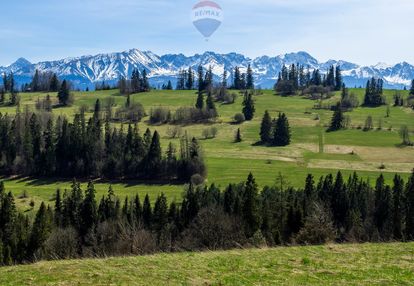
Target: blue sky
point(361, 31)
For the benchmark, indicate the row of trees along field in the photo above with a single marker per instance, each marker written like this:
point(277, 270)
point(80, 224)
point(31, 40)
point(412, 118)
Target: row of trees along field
point(35, 144)
point(209, 218)
point(295, 78)
point(187, 79)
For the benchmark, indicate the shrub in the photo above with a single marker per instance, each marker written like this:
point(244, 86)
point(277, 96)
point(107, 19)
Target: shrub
point(174, 132)
point(160, 115)
point(209, 133)
point(134, 113)
point(239, 118)
point(197, 179)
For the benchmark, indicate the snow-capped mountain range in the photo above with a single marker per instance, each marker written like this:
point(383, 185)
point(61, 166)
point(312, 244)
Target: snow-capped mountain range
point(87, 70)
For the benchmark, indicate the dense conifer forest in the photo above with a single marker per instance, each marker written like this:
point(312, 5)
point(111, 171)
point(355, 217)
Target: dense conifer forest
point(78, 224)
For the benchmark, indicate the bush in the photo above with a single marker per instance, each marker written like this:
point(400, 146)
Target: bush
point(318, 228)
point(213, 229)
point(174, 132)
point(160, 115)
point(209, 133)
point(197, 179)
point(134, 113)
point(239, 118)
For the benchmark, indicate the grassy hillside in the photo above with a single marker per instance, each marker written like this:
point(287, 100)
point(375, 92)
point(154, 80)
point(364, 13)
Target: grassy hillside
point(347, 150)
point(367, 264)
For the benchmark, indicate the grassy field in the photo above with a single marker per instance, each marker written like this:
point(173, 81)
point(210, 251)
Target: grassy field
point(228, 162)
point(365, 264)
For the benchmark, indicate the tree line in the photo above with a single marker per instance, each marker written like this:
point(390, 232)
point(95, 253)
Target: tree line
point(295, 78)
point(332, 209)
point(37, 145)
point(137, 83)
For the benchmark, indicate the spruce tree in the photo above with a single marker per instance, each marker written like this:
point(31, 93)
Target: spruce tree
point(338, 79)
point(88, 210)
point(281, 135)
point(266, 129)
point(412, 88)
point(64, 93)
point(248, 106)
point(409, 194)
point(147, 212)
point(238, 137)
point(40, 230)
point(200, 75)
point(337, 121)
point(54, 83)
point(398, 208)
point(251, 212)
point(249, 78)
point(160, 215)
point(200, 100)
point(154, 155)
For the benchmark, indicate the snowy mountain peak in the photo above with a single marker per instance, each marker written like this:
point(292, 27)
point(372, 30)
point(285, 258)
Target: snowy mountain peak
point(87, 70)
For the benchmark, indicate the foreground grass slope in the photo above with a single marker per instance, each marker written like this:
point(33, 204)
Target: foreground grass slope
point(366, 264)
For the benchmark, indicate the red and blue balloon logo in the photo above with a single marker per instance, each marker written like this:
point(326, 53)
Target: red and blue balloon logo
point(207, 17)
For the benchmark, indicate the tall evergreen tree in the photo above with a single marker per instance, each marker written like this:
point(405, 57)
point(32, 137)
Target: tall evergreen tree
point(64, 93)
point(249, 78)
point(337, 121)
point(248, 106)
point(200, 100)
point(266, 128)
point(281, 134)
point(251, 213)
point(338, 78)
point(398, 209)
point(238, 137)
point(147, 212)
point(88, 210)
point(409, 194)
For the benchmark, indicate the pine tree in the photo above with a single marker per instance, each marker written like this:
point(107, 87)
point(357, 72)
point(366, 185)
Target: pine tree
point(248, 106)
point(40, 230)
point(409, 194)
point(337, 121)
point(88, 210)
point(281, 135)
point(35, 85)
point(147, 212)
point(200, 100)
point(54, 83)
point(266, 128)
point(210, 105)
point(238, 137)
point(237, 78)
point(200, 74)
point(64, 93)
point(160, 215)
point(58, 209)
point(190, 79)
point(249, 78)
point(169, 85)
point(154, 155)
point(338, 78)
point(398, 208)
point(250, 212)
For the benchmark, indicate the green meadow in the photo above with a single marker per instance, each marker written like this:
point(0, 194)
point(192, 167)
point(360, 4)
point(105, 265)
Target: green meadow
point(362, 264)
point(312, 149)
